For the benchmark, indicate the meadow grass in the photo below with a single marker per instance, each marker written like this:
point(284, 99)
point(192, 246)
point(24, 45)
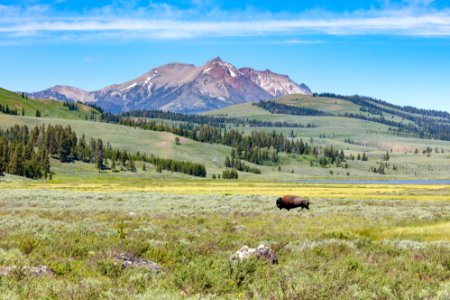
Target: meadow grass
point(381, 241)
point(48, 108)
point(369, 137)
point(330, 105)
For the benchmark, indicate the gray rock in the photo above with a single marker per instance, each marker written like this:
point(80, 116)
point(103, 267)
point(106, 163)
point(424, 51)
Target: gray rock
point(262, 252)
point(34, 271)
point(130, 261)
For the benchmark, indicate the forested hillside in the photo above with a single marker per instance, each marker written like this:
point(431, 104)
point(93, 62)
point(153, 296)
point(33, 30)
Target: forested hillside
point(290, 135)
point(26, 152)
point(419, 122)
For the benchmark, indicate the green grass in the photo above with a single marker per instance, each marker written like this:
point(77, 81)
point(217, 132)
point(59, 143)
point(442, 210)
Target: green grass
point(161, 144)
point(212, 155)
point(48, 108)
point(239, 110)
point(370, 137)
point(330, 105)
point(339, 106)
point(341, 248)
point(356, 242)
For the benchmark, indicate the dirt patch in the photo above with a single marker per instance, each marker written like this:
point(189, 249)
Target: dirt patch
point(162, 144)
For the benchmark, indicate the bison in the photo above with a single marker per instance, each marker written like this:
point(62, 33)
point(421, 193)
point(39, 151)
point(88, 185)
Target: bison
point(290, 201)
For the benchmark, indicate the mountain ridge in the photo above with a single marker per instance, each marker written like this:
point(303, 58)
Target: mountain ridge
point(182, 87)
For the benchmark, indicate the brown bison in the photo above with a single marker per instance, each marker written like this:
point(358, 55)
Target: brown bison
point(290, 201)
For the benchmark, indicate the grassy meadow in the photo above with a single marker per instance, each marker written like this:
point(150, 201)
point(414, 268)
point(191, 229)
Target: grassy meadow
point(374, 241)
point(162, 144)
point(359, 242)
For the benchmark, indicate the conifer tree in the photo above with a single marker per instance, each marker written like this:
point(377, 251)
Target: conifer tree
point(99, 158)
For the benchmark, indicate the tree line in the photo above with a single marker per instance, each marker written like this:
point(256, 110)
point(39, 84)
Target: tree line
point(26, 152)
point(279, 108)
point(216, 121)
point(258, 147)
point(368, 102)
point(421, 126)
point(427, 123)
point(236, 163)
point(71, 106)
point(7, 110)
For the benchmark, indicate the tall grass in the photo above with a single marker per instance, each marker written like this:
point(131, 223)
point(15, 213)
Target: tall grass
point(340, 248)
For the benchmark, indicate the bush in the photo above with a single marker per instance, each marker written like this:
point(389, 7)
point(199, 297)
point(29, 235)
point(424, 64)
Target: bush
point(28, 244)
point(110, 268)
point(230, 174)
point(61, 268)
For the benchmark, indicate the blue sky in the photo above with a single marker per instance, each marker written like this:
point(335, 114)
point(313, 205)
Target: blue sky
point(398, 51)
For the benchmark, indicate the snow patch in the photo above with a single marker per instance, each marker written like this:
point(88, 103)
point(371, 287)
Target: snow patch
point(232, 73)
point(231, 70)
point(131, 86)
point(149, 78)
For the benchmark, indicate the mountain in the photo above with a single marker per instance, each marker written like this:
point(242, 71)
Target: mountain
point(16, 104)
point(184, 88)
point(62, 93)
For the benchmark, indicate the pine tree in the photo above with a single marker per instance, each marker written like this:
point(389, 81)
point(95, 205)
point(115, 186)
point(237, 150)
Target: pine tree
point(15, 162)
point(227, 162)
point(3, 154)
point(386, 156)
point(131, 166)
point(99, 155)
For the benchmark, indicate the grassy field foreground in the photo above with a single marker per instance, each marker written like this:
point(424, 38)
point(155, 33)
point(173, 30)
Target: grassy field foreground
point(374, 242)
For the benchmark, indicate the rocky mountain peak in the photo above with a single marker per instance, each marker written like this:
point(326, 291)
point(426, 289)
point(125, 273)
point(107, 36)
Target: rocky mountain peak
point(185, 88)
point(214, 60)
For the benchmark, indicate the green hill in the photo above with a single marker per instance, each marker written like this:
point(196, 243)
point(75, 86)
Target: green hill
point(339, 105)
point(403, 121)
point(330, 105)
point(47, 108)
point(352, 135)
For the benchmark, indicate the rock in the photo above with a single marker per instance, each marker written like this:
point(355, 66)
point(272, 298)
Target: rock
point(239, 228)
point(130, 261)
point(34, 271)
point(262, 252)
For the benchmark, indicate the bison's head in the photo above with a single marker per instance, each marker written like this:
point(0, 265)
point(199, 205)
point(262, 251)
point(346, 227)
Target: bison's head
point(279, 203)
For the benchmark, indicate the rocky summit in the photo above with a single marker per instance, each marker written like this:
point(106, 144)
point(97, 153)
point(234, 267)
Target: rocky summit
point(184, 88)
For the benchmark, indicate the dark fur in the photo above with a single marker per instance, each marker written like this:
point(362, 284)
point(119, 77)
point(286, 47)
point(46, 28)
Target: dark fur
point(289, 201)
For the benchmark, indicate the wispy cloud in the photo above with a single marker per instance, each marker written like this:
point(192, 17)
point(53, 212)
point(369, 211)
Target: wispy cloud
point(165, 22)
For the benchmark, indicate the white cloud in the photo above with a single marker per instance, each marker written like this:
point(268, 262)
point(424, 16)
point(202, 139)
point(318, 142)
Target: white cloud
point(163, 22)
